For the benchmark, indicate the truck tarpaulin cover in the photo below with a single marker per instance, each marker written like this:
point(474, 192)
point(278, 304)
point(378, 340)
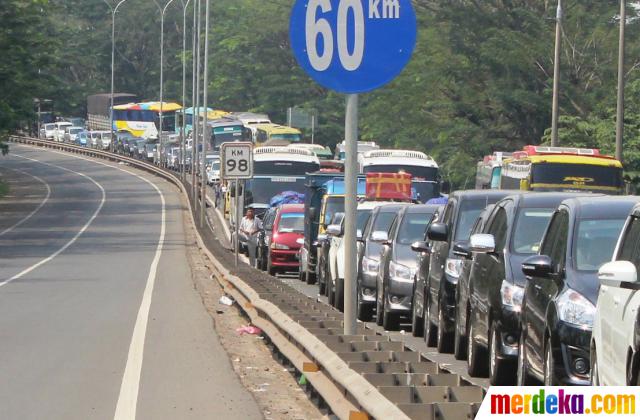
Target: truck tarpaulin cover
point(388, 186)
point(287, 197)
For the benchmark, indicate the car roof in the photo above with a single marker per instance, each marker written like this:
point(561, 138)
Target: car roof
point(392, 208)
point(292, 208)
point(544, 199)
point(475, 194)
point(422, 208)
point(602, 206)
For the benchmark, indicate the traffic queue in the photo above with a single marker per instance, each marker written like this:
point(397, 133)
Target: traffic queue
point(533, 284)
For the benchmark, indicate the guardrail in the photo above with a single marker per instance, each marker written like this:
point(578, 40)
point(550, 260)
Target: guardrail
point(346, 392)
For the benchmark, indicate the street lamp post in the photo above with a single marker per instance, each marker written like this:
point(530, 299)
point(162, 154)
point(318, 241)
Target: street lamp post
point(205, 135)
point(113, 54)
point(196, 111)
point(556, 77)
point(620, 105)
point(162, 12)
point(183, 139)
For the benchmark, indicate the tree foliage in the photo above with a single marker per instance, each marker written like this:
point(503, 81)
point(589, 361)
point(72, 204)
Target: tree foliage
point(480, 79)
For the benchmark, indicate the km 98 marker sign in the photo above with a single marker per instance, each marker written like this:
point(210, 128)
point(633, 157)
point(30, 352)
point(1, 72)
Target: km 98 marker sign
point(353, 46)
point(237, 160)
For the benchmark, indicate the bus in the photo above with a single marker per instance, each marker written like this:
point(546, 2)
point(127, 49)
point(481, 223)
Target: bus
point(323, 152)
point(424, 171)
point(541, 168)
point(225, 130)
point(276, 135)
point(489, 171)
point(212, 114)
point(250, 120)
point(276, 169)
point(142, 119)
point(363, 146)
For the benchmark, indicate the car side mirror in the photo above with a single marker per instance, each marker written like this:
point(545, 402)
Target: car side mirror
point(379, 236)
point(537, 266)
point(463, 249)
point(334, 230)
point(322, 237)
point(438, 232)
point(421, 246)
point(621, 274)
point(482, 243)
point(359, 235)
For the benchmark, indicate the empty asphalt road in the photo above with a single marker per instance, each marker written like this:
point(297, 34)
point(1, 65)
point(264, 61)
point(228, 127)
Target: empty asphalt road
point(98, 315)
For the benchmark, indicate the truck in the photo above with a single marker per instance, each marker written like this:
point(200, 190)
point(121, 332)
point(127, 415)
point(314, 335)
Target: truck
point(99, 109)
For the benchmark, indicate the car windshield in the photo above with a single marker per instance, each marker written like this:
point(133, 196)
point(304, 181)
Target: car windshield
point(291, 222)
point(529, 228)
point(75, 130)
point(594, 242)
point(362, 219)
point(383, 222)
point(334, 205)
point(469, 212)
point(413, 227)
point(262, 190)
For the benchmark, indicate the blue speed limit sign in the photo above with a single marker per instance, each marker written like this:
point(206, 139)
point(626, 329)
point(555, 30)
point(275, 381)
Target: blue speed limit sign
point(353, 46)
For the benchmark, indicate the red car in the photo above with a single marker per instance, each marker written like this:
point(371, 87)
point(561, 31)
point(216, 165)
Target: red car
point(286, 239)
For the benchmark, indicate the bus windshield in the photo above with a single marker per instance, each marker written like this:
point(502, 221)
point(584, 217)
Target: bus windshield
point(294, 138)
point(425, 190)
point(227, 134)
point(261, 190)
point(421, 172)
point(284, 167)
point(569, 176)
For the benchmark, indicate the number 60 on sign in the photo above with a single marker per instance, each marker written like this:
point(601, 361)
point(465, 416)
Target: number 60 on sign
point(353, 46)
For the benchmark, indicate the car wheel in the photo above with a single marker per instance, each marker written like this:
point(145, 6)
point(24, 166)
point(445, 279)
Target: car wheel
point(500, 371)
point(595, 371)
point(549, 365)
point(417, 320)
point(340, 295)
point(331, 293)
point(476, 354)
point(459, 339)
point(430, 331)
point(310, 278)
point(445, 339)
point(270, 268)
point(379, 309)
point(523, 376)
point(390, 321)
point(365, 311)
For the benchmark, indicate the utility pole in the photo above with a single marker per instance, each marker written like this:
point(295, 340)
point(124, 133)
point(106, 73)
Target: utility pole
point(205, 133)
point(183, 137)
point(556, 77)
point(350, 214)
point(196, 112)
point(194, 93)
point(621, 82)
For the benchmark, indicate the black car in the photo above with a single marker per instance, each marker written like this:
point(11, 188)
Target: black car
point(562, 289)
point(264, 238)
point(438, 283)
point(380, 222)
point(396, 272)
point(462, 296)
point(496, 283)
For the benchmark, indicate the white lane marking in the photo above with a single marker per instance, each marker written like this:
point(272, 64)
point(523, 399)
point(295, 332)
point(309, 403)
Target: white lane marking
point(128, 397)
point(75, 237)
point(126, 406)
point(28, 216)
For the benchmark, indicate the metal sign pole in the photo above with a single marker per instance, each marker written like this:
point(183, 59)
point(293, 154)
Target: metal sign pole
point(350, 205)
point(237, 197)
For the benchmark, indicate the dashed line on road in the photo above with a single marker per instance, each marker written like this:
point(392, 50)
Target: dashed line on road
point(42, 203)
point(75, 237)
